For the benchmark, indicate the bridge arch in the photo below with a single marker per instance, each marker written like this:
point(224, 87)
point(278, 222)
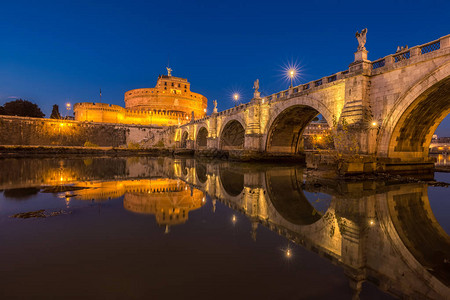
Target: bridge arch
point(232, 182)
point(202, 135)
point(201, 172)
point(287, 197)
point(407, 130)
point(285, 127)
point(232, 135)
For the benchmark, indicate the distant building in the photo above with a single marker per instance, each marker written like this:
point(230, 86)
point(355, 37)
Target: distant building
point(317, 128)
point(170, 102)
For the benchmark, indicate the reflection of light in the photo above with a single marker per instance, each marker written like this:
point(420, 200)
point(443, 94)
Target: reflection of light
point(288, 253)
point(234, 219)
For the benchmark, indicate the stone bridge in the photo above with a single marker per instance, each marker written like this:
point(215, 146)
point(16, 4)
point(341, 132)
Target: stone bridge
point(377, 232)
point(392, 107)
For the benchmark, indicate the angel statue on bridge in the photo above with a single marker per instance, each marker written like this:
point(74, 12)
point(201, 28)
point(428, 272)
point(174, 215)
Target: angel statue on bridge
point(215, 106)
point(256, 85)
point(256, 94)
point(361, 37)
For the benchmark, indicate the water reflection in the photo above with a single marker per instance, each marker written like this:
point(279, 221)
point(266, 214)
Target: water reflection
point(381, 232)
point(442, 159)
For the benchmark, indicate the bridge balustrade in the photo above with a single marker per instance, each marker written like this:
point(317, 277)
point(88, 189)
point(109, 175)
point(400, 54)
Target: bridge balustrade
point(332, 78)
point(402, 56)
point(430, 47)
point(378, 64)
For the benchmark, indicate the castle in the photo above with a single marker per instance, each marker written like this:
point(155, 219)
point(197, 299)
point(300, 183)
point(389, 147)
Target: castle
point(170, 102)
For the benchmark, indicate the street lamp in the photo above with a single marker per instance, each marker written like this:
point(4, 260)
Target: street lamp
point(291, 74)
point(236, 98)
point(68, 107)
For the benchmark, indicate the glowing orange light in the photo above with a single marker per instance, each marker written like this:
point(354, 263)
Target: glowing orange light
point(234, 219)
point(291, 73)
point(288, 253)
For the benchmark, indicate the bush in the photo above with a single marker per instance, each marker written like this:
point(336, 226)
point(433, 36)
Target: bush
point(160, 144)
point(89, 144)
point(134, 146)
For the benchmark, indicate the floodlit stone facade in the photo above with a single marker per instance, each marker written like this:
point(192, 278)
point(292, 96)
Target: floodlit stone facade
point(170, 102)
point(388, 108)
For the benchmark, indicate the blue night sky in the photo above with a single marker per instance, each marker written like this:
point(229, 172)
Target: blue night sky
point(65, 51)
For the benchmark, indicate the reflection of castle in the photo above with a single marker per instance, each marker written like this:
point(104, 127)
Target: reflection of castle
point(170, 102)
point(168, 199)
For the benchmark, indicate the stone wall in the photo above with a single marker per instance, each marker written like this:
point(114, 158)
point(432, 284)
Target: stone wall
point(48, 132)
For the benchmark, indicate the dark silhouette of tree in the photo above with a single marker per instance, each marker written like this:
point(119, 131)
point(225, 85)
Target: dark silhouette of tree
point(22, 108)
point(2, 110)
point(55, 112)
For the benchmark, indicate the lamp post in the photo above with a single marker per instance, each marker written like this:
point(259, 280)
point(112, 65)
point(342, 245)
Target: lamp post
point(68, 107)
point(291, 74)
point(236, 98)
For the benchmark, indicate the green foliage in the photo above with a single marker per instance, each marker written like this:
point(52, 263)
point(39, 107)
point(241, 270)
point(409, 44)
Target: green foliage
point(89, 144)
point(159, 144)
point(22, 108)
point(134, 146)
point(55, 112)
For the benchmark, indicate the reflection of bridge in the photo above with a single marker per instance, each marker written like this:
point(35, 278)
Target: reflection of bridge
point(376, 232)
point(379, 233)
point(393, 106)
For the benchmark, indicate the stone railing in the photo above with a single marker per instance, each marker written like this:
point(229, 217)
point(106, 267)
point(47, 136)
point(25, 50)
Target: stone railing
point(416, 52)
point(307, 87)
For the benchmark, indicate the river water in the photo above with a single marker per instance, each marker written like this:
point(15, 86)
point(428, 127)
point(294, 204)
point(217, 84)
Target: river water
point(163, 228)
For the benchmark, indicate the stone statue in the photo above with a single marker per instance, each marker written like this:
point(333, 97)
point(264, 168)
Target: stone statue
point(256, 94)
point(361, 37)
point(256, 85)
point(169, 71)
point(192, 116)
point(215, 106)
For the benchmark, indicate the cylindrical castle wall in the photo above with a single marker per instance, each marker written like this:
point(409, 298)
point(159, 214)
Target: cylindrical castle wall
point(156, 99)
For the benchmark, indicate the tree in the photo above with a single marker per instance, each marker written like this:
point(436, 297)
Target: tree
point(22, 108)
point(2, 110)
point(55, 112)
